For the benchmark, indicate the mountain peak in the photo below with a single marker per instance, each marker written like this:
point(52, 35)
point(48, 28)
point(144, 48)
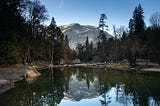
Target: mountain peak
point(75, 24)
point(78, 33)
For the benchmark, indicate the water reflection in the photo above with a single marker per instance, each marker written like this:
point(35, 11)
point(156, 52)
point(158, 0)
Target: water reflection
point(85, 86)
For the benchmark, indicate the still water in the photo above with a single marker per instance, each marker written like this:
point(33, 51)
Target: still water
point(85, 87)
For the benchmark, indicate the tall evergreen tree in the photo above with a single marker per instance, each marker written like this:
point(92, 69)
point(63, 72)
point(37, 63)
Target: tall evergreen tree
point(139, 19)
point(51, 31)
point(136, 23)
point(91, 51)
point(101, 27)
point(56, 42)
point(102, 24)
point(66, 42)
point(137, 36)
point(67, 52)
point(87, 48)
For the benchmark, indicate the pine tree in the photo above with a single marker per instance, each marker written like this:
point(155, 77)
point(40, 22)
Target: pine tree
point(139, 19)
point(66, 42)
point(102, 24)
point(58, 46)
point(67, 52)
point(131, 26)
point(81, 52)
point(102, 36)
point(137, 24)
point(137, 36)
point(87, 49)
point(51, 31)
point(91, 51)
point(56, 42)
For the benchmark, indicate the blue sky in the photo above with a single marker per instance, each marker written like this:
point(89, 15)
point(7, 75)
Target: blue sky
point(87, 12)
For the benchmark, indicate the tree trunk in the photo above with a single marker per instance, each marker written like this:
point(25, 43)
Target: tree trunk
point(27, 54)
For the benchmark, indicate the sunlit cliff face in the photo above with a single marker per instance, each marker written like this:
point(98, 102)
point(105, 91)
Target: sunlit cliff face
point(78, 33)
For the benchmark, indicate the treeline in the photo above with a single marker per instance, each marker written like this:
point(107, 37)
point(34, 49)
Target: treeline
point(25, 39)
point(135, 42)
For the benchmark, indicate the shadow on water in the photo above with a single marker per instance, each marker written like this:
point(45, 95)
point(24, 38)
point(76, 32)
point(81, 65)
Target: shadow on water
point(79, 86)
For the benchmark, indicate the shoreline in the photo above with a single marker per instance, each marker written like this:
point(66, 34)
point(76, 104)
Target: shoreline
point(10, 75)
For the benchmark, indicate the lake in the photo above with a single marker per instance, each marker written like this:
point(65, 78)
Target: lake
point(85, 87)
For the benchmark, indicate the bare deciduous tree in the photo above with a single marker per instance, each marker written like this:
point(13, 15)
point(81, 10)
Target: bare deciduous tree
point(155, 20)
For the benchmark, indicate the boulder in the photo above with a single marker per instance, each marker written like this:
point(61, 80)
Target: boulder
point(31, 72)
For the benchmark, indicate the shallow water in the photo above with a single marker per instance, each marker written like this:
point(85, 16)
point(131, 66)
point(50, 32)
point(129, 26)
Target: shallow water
point(85, 87)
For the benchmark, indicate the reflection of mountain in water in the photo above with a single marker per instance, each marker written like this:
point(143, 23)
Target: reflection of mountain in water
point(79, 90)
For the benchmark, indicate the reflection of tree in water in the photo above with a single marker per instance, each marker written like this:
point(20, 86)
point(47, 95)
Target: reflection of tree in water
point(106, 99)
point(121, 95)
point(45, 91)
point(131, 88)
point(104, 87)
point(86, 74)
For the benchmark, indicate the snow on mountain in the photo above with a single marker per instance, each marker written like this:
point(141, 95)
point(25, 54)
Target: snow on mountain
point(78, 33)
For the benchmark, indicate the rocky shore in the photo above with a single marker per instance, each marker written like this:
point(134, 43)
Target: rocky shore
point(8, 76)
point(11, 74)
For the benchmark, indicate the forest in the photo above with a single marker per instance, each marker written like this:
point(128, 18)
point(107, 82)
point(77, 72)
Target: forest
point(24, 38)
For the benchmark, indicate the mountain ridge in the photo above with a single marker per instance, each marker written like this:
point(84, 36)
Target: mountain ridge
point(78, 33)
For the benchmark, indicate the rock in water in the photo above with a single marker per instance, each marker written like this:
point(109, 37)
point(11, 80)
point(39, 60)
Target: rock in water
point(31, 73)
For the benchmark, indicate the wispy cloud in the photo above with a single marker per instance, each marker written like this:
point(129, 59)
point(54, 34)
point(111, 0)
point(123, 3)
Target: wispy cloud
point(61, 4)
